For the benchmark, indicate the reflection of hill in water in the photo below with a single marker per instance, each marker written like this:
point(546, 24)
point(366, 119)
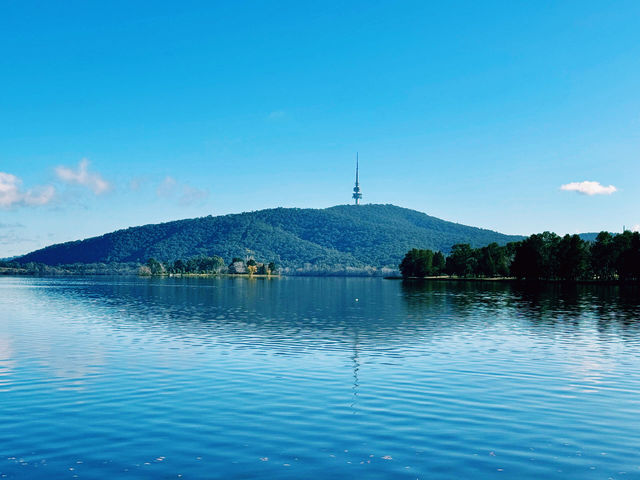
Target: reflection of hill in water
point(283, 313)
point(322, 313)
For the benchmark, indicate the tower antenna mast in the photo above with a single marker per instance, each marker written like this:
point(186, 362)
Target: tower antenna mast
point(357, 194)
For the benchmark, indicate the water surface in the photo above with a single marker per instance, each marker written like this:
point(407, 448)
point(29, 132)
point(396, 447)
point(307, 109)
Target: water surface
point(317, 378)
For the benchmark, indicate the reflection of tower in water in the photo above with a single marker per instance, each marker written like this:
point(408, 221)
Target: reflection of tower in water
point(356, 368)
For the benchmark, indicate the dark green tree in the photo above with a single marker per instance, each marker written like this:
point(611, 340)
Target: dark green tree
point(417, 263)
point(536, 257)
point(179, 266)
point(462, 261)
point(604, 256)
point(439, 263)
point(572, 258)
point(628, 261)
point(211, 264)
point(155, 266)
point(492, 261)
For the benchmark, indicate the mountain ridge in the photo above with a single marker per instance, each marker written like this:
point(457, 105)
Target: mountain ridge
point(370, 235)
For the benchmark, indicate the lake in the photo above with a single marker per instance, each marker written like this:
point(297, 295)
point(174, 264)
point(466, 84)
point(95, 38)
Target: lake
point(317, 378)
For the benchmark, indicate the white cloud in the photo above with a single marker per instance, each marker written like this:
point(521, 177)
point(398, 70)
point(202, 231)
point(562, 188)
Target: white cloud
point(9, 190)
point(82, 176)
point(186, 194)
point(635, 228)
point(589, 188)
point(11, 193)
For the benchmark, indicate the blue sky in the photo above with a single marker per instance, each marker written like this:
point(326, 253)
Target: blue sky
point(115, 114)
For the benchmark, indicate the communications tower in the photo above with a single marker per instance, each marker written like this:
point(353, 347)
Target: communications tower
point(357, 195)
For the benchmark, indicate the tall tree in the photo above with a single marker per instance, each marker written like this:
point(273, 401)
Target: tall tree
point(155, 266)
point(417, 263)
point(628, 261)
point(462, 261)
point(573, 258)
point(536, 257)
point(604, 256)
point(439, 263)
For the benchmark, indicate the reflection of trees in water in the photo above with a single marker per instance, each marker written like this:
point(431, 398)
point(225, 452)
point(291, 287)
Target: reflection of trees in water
point(540, 304)
point(311, 313)
point(463, 298)
point(7, 363)
point(284, 313)
point(606, 305)
point(619, 304)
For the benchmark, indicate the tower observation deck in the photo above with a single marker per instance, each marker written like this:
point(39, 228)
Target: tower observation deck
point(357, 195)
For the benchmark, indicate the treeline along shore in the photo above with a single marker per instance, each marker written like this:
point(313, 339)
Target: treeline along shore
point(540, 257)
point(205, 265)
point(200, 265)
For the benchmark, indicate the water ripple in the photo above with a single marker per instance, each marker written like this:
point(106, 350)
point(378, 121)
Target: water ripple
point(292, 378)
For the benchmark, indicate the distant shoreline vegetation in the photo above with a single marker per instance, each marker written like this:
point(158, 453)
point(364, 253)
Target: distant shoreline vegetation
point(14, 267)
point(193, 267)
point(540, 257)
point(205, 265)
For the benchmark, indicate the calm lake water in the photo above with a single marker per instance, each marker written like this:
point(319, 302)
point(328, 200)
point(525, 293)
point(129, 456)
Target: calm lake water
point(317, 378)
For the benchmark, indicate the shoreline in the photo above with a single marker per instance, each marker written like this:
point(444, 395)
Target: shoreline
point(210, 275)
point(513, 280)
point(516, 280)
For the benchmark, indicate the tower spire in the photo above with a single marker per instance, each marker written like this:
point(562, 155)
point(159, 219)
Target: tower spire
point(357, 195)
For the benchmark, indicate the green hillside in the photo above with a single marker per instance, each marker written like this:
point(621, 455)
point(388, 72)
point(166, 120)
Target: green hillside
point(341, 236)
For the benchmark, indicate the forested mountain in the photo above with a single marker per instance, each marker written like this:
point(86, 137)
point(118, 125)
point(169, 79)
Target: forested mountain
point(336, 237)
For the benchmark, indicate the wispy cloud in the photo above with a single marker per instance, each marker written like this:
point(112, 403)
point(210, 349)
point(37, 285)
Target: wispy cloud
point(191, 195)
point(589, 188)
point(185, 194)
point(167, 187)
point(82, 176)
point(137, 183)
point(11, 225)
point(276, 115)
point(12, 194)
point(11, 238)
